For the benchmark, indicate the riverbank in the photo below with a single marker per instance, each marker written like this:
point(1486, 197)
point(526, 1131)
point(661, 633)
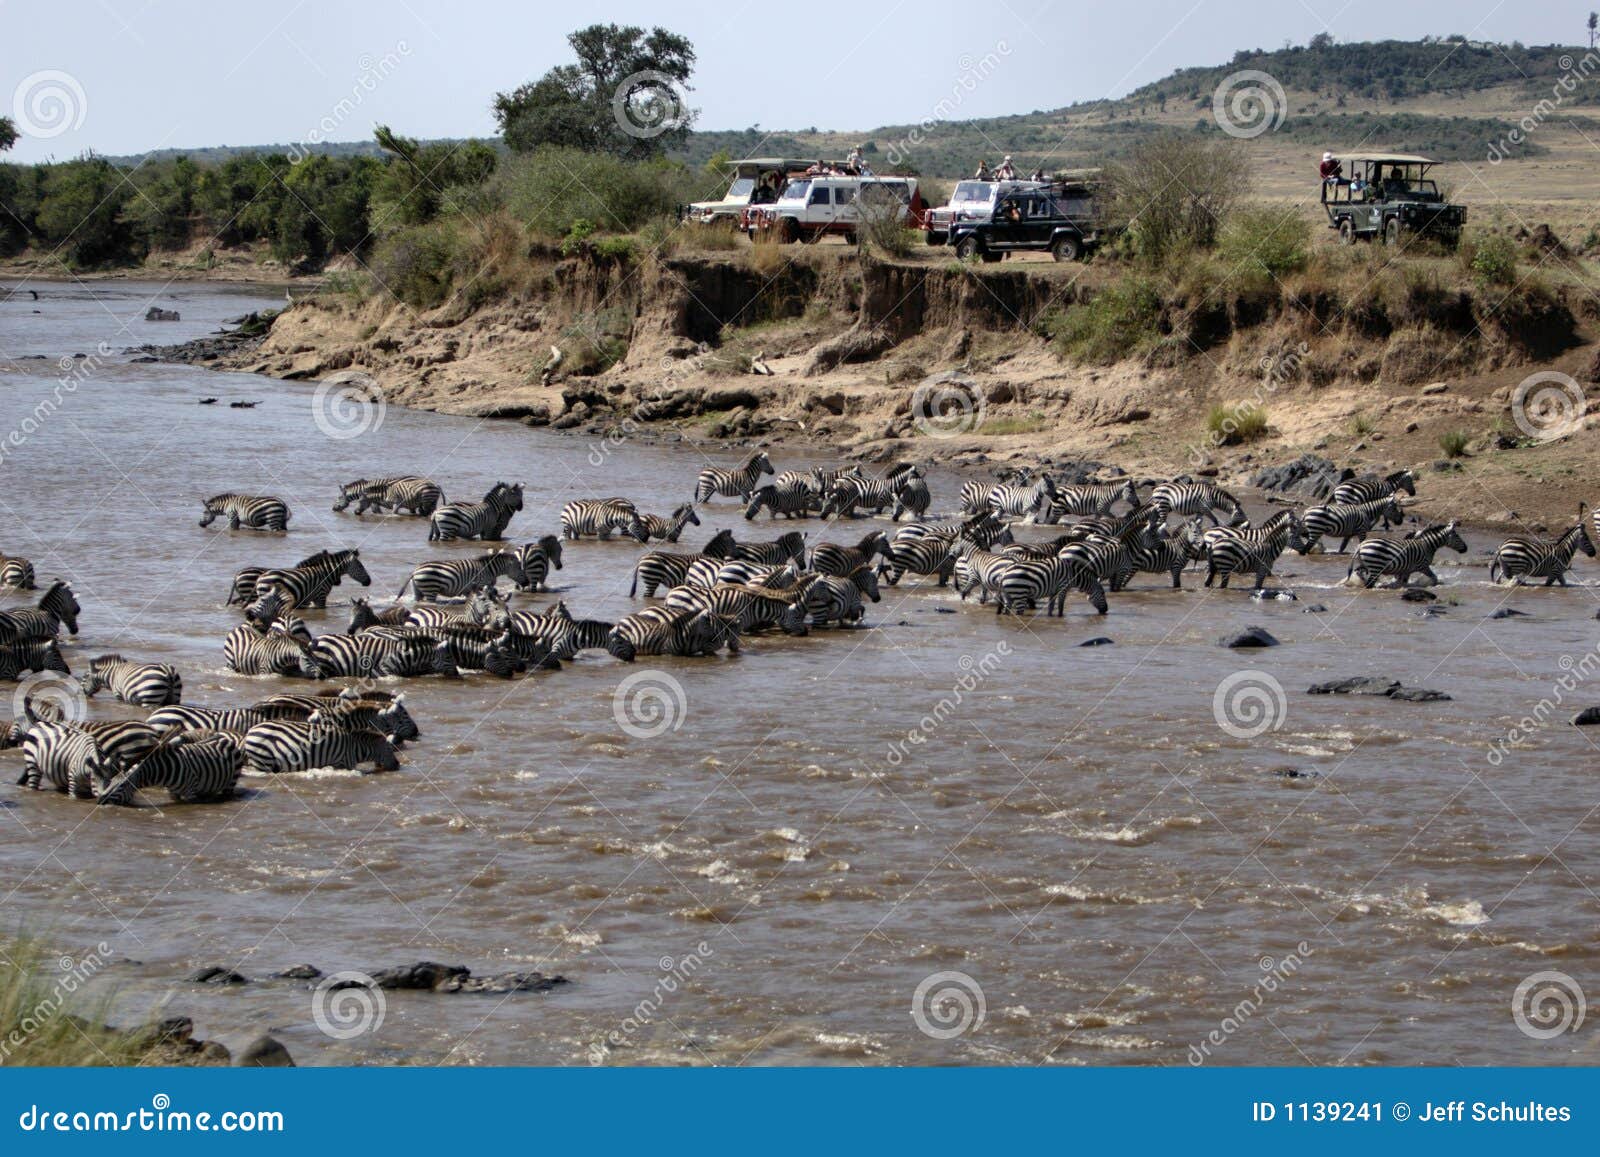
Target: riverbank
point(934, 361)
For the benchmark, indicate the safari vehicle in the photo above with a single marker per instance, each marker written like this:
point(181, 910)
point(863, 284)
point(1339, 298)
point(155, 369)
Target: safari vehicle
point(754, 179)
point(811, 207)
point(971, 200)
point(1062, 218)
point(1388, 195)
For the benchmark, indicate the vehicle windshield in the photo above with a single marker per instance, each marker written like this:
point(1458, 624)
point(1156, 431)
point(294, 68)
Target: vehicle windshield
point(741, 189)
point(795, 191)
point(972, 191)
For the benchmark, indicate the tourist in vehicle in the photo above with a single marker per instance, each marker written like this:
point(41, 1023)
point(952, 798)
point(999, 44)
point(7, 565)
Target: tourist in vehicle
point(1332, 171)
point(1038, 174)
point(1007, 171)
point(1395, 184)
point(854, 164)
point(983, 171)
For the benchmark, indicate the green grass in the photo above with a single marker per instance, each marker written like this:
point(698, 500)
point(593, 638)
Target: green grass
point(1024, 424)
point(1236, 424)
point(1119, 321)
point(1454, 443)
point(45, 1017)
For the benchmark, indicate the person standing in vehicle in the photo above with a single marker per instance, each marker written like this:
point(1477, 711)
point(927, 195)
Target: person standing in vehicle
point(1007, 171)
point(1332, 171)
point(983, 171)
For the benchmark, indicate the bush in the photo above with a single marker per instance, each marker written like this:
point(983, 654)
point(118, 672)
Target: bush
point(1453, 443)
point(1236, 423)
point(1361, 425)
point(417, 264)
point(1120, 320)
point(1269, 241)
point(1491, 259)
point(885, 231)
point(1173, 191)
point(551, 189)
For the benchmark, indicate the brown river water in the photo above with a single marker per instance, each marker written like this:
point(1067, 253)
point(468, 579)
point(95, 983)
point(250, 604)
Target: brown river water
point(944, 839)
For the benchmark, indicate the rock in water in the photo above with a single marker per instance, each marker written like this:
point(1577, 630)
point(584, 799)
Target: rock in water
point(1418, 595)
point(1269, 594)
point(264, 1053)
point(1361, 685)
point(217, 975)
point(1508, 613)
point(156, 313)
point(1418, 695)
point(1097, 641)
point(1315, 609)
point(1249, 637)
point(1587, 717)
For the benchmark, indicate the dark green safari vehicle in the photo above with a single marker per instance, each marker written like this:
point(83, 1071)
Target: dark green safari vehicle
point(1384, 196)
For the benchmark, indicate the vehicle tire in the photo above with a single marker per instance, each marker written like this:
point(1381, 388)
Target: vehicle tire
point(1066, 248)
point(1391, 231)
point(789, 230)
point(968, 248)
point(937, 238)
point(851, 237)
point(1347, 232)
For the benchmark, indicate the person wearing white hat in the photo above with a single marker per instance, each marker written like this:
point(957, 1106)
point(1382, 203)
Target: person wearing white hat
point(1007, 171)
point(1331, 170)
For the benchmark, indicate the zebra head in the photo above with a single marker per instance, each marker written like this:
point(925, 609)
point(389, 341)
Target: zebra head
point(502, 659)
point(354, 569)
point(636, 528)
point(1392, 513)
point(793, 545)
point(487, 609)
point(619, 647)
point(550, 547)
point(685, 516)
point(1404, 480)
point(95, 678)
point(212, 510)
point(443, 662)
point(761, 496)
point(792, 619)
point(1130, 493)
point(361, 617)
point(866, 580)
point(348, 493)
point(761, 463)
point(720, 546)
point(60, 602)
point(1298, 539)
point(876, 543)
point(1452, 538)
point(267, 608)
point(397, 723)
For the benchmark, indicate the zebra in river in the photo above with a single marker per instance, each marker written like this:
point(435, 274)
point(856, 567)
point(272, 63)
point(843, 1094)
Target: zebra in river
point(446, 578)
point(371, 710)
point(16, 572)
point(198, 771)
point(788, 547)
point(596, 516)
point(1229, 549)
point(287, 745)
point(925, 554)
point(57, 608)
point(1404, 557)
point(363, 616)
point(911, 494)
point(644, 527)
point(789, 495)
point(371, 654)
point(974, 495)
point(1371, 488)
point(831, 558)
point(67, 758)
point(708, 572)
point(1170, 553)
point(1519, 559)
point(308, 583)
point(837, 598)
point(538, 559)
point(247, 510)
point(564, 635)
point(748, 608)
point(1202, 498)
point(736, 483)
point(469, 646)
point(1345, 521)
point(19, 659)
point(486, 519)
point(668, 631)
point(484, 607)
point(125, 741)
point(980, 569)
point(144, 684)
point(181, 717)
point(1113, 556)
point(1030, 581)
point(253, 652)
point(1091, 498)
point(402, 493)
point(663, 568)
point(853, 490)
point(1018, 500)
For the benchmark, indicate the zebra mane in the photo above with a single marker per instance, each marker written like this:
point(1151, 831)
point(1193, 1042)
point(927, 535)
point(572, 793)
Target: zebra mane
point(108, 657)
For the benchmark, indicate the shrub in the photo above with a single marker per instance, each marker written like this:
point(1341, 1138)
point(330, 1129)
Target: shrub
point(1270, 241)
point(1236, 423)
point(416, 264)
point(39, 1021)
point(1361, 425)
point(1491, 259)
point(884, 230)
point(1453, 443)
point(551, 189)
point(1173, 190)
point(1118, 321)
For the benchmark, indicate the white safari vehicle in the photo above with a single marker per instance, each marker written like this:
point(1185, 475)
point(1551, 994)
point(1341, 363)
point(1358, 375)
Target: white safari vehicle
point(971, 200)
point(811, 207)
point(755, 179)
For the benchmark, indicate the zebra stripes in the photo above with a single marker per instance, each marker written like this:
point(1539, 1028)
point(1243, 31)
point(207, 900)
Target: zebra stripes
point(563, 635)
point(1519, 559)
point(669, 631)
point(831, 558)
point(789, 547)
point(911, 495)
point(486, 519)
point(403, 494)
point(853, 491)
point(1256, 549)
point(66, 758)
point(1345, 521)
point(748, 608)
point(837, 598)
point(19, 659)
point(1019, 500)
point(144, 684)
point(1027, 582)
point(789, 494)
point(596, 517)
point(285, 745)
point(57, 608)
point(16, 572)
point(246, 510)
point(181, 717)
point(663, 568)
point(1371, 487)
point(374, 654)
point(1091, 498)
point(454, 577)
point(737, 483)
point(308, 582)
point(645, 527)
point(191, 771)
point(1202, 498)
point(250, 651)
point(1404, 557)
point(538, 559)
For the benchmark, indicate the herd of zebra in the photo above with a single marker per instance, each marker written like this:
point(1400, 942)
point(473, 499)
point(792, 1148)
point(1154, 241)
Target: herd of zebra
point(459, 617)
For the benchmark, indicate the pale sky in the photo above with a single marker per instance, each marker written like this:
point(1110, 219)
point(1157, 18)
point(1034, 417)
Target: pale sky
point(134, 75)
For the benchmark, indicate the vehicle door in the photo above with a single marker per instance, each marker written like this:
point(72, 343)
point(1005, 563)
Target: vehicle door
point(1040, 215)
point(846, 210)
point(1010, 223)
point(819, 206)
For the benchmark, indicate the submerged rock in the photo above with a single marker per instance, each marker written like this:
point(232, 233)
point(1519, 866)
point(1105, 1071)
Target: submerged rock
point(1249, 637)
point(1370, 685)
point(1418, 595)
point(216, 974)
point(1097, 641)
point(1588, 717)
point(264, 1052)
point(1508, 613)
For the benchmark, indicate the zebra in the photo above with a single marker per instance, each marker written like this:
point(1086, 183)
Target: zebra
point(363, 616)
point(985, 529)
point(981, 569)
point(469, 646)
point(244, 581)
point(538, 559)
point(1091, 498)
point(1202, 498)
point(1256, 549)
point(125, 741)
point(484, 607)
point(284, 745)
point(708, 572)
point(18, 659)
point(57, 608)
point(789, 547)
point(371, 654)
point(1169, 553)
point(1015, 500)
point(68, 758)
point(837, 599)
point(1370, 488)
point(199, 771)
point(669, 631)
point(598, 517)
point(144, 684)
point(789, 495)
point(1520, 559)
point(911, 494)
point(16, 572)
point(308, 583)
point(736, 483)
point(974, 495)
point(748, 608)
point(644, 527)
point(1113, 557)
point(454, 577)
point(486, 519)
point(1029, 581)
point(830, 558)
point(663, 568)
point(404, 494)
point(925, 554)
point(252, 652)
point(853, 490)
point(372, 710)
point(180, 717)
point(246, 510)
point(1350, 520)
point(1402, 558)
point(560, 632)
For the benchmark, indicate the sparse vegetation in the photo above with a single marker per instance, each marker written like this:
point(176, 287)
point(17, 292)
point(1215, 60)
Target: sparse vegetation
point(1491, 259)
point(1361, 425)
point(1265, 241)
point(44, 1019)
point(1236, 423)
point(1116, 322)
point(1454, 443)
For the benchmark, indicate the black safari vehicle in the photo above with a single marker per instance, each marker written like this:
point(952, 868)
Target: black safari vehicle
point(1060, 217)
point(1386, 195)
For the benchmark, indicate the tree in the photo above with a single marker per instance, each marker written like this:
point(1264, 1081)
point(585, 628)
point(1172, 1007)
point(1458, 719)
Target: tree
point(1173, 192)
point(624, 96)
point(415, 185)
point(1594, 27)
point(8, 132)
point(1320, 41)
